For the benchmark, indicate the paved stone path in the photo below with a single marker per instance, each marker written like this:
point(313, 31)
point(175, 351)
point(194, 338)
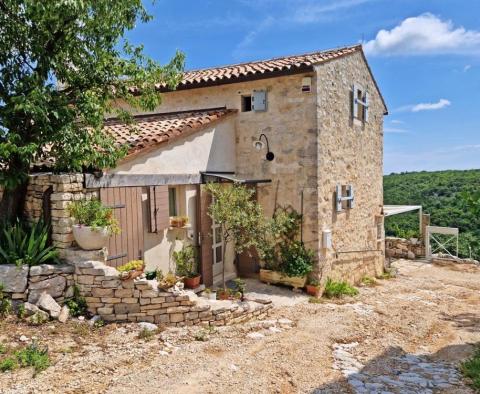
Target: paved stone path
point(410, 374)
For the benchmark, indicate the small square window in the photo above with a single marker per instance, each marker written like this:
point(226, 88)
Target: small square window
point(172, 201)
point(246, 103)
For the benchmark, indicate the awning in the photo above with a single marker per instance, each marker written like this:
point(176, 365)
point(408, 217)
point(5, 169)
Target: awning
point(390, 210)
point(230, 177)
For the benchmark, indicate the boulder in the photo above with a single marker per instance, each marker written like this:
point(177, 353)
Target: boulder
point(411, 255)
point(53, 286)
point(49, 305)
point(64, 314)
point(14, 279)
point(147, 326)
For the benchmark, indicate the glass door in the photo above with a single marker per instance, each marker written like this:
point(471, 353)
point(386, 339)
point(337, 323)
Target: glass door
point(217, 246)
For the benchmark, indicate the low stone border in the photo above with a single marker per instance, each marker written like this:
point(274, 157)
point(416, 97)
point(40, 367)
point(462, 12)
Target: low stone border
point(140, 300)
point(404, 248)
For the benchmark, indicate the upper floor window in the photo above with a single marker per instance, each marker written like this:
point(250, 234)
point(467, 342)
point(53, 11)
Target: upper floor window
point(246, 103)
point(360, 103)
point(257, 101)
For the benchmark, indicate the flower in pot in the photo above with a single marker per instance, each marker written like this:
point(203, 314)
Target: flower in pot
point(94, 223)
point(224, 294)
point(186, 266)
point(131, 270)
point(313, 288)
point(210, 294)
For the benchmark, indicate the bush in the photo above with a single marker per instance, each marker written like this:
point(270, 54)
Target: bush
point(338, 289)
point(22, 245)
point(92, 213)
point(185, 262)
point(471, 369)
point(30, 356)
point(296, 259)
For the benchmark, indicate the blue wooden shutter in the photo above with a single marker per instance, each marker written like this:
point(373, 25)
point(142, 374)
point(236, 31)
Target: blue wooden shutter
point(259, 100)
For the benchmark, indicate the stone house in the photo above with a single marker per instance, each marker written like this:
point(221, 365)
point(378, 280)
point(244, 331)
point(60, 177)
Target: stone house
point(320, 114)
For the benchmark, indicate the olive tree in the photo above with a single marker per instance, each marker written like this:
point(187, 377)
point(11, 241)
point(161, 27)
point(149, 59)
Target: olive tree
point(64, 64)
point(240, 217)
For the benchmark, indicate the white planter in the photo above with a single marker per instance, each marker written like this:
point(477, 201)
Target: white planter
point(90, 239)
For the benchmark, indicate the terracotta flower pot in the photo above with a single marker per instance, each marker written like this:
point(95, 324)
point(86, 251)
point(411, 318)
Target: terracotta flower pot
point(313, 290)
point(192, 283)
point(132, 274)
point(90, 239)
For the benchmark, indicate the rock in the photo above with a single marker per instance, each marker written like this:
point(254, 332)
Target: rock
point(94, 319)
point(275, 330)
point(163, 353)
point(54, 286)
point(13, 278)
point(30, 309)
point(64, 314)
point(38, 318)
point(411, 255)
point(147, 326)
point(255, 335)
point(285, 322)
point(23, 338)
point(48, 304)
point(81, 318)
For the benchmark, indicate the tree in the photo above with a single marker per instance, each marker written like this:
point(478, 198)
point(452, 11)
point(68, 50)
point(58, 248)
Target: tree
point(64, 64)
point(240, 217)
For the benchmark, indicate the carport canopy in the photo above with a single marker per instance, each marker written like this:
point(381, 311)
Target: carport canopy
point(390, 210)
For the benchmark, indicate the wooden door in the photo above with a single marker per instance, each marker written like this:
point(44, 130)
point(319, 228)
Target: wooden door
point(126, 203)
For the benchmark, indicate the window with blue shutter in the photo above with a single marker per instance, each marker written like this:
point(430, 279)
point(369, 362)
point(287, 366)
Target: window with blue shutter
point(259, 100)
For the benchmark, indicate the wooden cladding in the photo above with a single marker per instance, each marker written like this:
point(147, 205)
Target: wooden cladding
point(127, 208)
point(159, 210)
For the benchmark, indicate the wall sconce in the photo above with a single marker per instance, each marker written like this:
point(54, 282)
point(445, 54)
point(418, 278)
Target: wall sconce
point(259, 145)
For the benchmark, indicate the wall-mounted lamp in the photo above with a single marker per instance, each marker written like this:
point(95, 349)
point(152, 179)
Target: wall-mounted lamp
point(259, 145)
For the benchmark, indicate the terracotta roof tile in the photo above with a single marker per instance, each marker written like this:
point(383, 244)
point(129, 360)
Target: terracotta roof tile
point(263, 68)
point(154, 129)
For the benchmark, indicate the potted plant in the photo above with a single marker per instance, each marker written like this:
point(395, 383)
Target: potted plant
point(210, 294)
point(313, 288)
point(224, 294)
point(186, 266)
point(94, 223)
point(178, 221)
point(131, 270)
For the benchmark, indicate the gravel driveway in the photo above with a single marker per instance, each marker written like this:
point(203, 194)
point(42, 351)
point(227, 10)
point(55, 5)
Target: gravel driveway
point(405, 335)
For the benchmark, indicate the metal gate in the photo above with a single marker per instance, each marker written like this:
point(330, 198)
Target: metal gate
point(441, 245)
point(127, 208)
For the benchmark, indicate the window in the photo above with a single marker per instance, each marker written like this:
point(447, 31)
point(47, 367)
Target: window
point(360, 104)
point(246, 103)
point(172, 201)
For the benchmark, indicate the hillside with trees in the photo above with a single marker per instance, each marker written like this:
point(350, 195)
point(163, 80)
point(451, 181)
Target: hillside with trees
point(442, 195)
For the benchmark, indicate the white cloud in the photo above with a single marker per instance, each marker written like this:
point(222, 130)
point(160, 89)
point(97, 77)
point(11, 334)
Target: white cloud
point(425, 34)
point(314, 12)
point(394, 130)
point(442, 103)
point(467, 67)
point(397, 121)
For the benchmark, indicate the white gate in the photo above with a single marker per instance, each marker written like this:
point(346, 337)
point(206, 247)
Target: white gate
point(439, 245)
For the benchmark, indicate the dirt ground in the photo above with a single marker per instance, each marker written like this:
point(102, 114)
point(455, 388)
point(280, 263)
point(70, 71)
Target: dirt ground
point(428, 315)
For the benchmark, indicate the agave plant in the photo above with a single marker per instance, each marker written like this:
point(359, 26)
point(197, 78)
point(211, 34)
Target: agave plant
point(26, 246)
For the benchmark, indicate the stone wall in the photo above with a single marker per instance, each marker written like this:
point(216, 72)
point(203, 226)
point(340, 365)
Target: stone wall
point(349, 152)
point(63, 189)
point(27, 284)
point(404, 248)
point(140, 300)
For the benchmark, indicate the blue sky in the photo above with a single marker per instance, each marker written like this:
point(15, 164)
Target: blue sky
point(424, 54)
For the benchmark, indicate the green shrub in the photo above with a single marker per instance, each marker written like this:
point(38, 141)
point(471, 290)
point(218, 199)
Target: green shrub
point(21, 245)
point(296, 259)
point(185, 262)
point(77, 304)
point(368, 281)
point(92, 213)
point(33, 356)
point(146, 334)
point(335, 289)
point(471, 370)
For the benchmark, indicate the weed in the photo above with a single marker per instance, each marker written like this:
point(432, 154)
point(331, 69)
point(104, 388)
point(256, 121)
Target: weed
point(8, 364)
point(21, 311)
point(5, 303)
point(81, 329)
point(77, 304)
point(146, 334)
point(33, 356)
point(98, 323)
point(389, 273)
point(471, 369)
point(368, 281)
point(3, 348)
point(335, 289)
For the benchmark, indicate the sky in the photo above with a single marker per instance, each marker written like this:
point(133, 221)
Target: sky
point(425, 56)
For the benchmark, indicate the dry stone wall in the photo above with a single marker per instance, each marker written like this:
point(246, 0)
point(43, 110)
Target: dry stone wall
point(404, 248)
point(62, 190)
point(140, 300)
point(27, 284)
